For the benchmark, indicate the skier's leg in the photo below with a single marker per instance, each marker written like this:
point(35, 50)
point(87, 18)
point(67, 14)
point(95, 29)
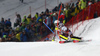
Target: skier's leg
point(63, 37)
point(76, 38)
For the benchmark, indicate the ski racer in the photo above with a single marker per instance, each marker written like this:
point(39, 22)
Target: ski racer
point(65, 33)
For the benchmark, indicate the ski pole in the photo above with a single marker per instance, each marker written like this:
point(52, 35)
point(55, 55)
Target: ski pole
point(49, 28)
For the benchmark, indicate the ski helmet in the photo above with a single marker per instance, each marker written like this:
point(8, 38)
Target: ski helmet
point(56, 21)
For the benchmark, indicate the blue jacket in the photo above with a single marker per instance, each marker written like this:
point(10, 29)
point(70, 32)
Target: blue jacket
point(23, 37)
point(2, 22)
point(27, 30)
point(38, 19)
point(8, 23)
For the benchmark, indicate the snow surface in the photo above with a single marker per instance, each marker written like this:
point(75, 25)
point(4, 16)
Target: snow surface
point(89, 30)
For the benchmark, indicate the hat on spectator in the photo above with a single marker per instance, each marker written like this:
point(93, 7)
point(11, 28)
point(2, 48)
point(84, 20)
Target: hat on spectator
point(8, 18)
point(4, 36)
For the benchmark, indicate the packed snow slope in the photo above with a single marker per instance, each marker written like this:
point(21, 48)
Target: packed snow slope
point(89, 30)
point(8, 8)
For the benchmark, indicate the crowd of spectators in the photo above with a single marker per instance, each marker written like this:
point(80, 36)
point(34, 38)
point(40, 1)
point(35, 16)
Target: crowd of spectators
point(32, 29)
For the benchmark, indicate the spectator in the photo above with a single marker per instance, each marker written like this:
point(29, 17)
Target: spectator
point(1, 33)
point(2, 21)
point(35, 26)
point(27, 30)
point(42, 14)
point(89, 2)
point(47, 14)
point(34, 18)
point(32, 25)
point(39, 19)
point(17, 28)
point(24, 20)
point(18, 36)
point(72, 10)
point(5, 33)
point(54, 17)
point(77, 10)
point(66, 10)
point(22, 27)
point(44, 31)
point(47, 10)
point(23, 37)
point(32, 34)
point(36, 15)
point(83, 4)
point(55, 9)
point(8, 23)
point(38, 27)
point(28, 18)
point(60, 5)
point(1, 26)
point(12, 36)
point(79, 4)
point(18, 20)
point(38, 36)
point(32, 21)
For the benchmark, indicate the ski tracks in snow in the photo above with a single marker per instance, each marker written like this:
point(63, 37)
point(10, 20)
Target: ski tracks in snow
point(87, 27)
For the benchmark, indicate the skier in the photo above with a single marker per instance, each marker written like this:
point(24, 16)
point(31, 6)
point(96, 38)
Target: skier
point(68, 34)
point(65, 33)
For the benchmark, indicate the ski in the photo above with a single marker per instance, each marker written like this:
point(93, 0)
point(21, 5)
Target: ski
point(64, 41)
point(74, 41)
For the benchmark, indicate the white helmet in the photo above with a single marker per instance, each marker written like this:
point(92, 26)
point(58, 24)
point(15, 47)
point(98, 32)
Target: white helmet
point(56, 21)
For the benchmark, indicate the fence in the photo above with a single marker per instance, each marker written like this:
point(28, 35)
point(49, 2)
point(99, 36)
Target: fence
point(85, 14)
